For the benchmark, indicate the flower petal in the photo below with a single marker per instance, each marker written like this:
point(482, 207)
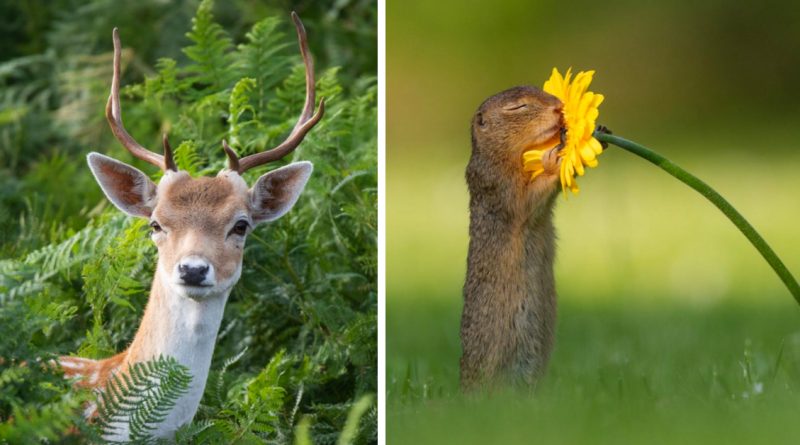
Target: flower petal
point(580, 113)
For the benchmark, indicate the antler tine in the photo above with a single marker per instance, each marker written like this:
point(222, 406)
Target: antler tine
point(305, 122)
point(233, 160)
point(169, 161)
point(114, 117)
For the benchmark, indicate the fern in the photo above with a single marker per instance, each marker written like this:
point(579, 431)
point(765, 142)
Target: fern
point(262, 58)
point(34, 272)
point(210, 49)
point(240, 109)
point(165, 83)
point(142, 397)
point(187, 158)
point(220, 388)
point(190, 433)
point(112, 277)
point(26, 84)
point(37, 425)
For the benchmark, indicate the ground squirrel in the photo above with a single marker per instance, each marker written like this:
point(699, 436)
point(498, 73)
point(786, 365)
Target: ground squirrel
point(509, 316)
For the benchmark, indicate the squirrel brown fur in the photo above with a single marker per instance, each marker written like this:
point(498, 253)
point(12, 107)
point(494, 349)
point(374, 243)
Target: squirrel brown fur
point(509, 315)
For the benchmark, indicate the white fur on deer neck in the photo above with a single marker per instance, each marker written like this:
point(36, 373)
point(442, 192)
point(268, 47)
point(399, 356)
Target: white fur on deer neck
point(186, 329)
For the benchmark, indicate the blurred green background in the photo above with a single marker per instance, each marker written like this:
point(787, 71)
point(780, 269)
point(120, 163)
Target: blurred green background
point(672, 328)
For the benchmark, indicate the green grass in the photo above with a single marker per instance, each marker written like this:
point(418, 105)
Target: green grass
point(672, 329)
point(621, 373)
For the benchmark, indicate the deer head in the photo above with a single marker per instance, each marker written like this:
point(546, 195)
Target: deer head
point(200, 224)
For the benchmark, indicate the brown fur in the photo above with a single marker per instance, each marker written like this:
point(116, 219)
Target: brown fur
point(93, 373)
point(195, 215)
point(509, 314)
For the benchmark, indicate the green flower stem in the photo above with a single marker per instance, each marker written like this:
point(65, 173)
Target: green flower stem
point(715, 198)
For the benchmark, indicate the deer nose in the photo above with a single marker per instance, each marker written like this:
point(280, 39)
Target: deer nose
point(193, 272)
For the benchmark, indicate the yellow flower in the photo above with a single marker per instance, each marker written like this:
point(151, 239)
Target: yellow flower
point(580, 113)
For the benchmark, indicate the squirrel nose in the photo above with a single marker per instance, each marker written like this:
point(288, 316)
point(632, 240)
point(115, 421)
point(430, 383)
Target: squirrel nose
point(192, 274)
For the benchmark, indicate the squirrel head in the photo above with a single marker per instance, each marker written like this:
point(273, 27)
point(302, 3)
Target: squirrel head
point(503, 128)
point(513, 120)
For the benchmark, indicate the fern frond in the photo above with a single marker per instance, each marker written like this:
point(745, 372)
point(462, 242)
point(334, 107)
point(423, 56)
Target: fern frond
point(32, 273)
point(190, 433)
point(262, 57)
point(218, 431)
point(113, 276)
point(187, 157)
point(288, 100)
point(166, 83)
point(220, 386)
point(210, 51)
point(40, 424)
point(142, 397)
point(241, 112)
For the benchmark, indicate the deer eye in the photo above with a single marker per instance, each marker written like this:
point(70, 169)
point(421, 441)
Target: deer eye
point(155, 226)
point(240, 228)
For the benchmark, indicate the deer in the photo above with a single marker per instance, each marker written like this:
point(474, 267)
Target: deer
point(199, 226)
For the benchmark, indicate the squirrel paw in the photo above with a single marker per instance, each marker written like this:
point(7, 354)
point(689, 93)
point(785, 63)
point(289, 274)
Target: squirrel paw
point(551, 161)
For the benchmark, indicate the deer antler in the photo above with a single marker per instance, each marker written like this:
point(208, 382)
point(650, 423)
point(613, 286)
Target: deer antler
point(114, 117)
point(304, 124)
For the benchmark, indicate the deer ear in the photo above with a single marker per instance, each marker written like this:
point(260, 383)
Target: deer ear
point(126, 187)
point(275, 193)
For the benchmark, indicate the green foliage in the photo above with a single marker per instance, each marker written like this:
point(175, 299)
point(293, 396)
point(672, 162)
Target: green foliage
point(350, 431)
point(264, 42)
point(298, 339)
point(51, 422)
point(142, 398)
point(111, 276)
point(210, 51)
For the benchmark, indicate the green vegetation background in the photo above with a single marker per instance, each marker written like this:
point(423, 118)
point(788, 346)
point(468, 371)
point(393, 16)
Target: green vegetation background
point(671, 328)
point(297, 348)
